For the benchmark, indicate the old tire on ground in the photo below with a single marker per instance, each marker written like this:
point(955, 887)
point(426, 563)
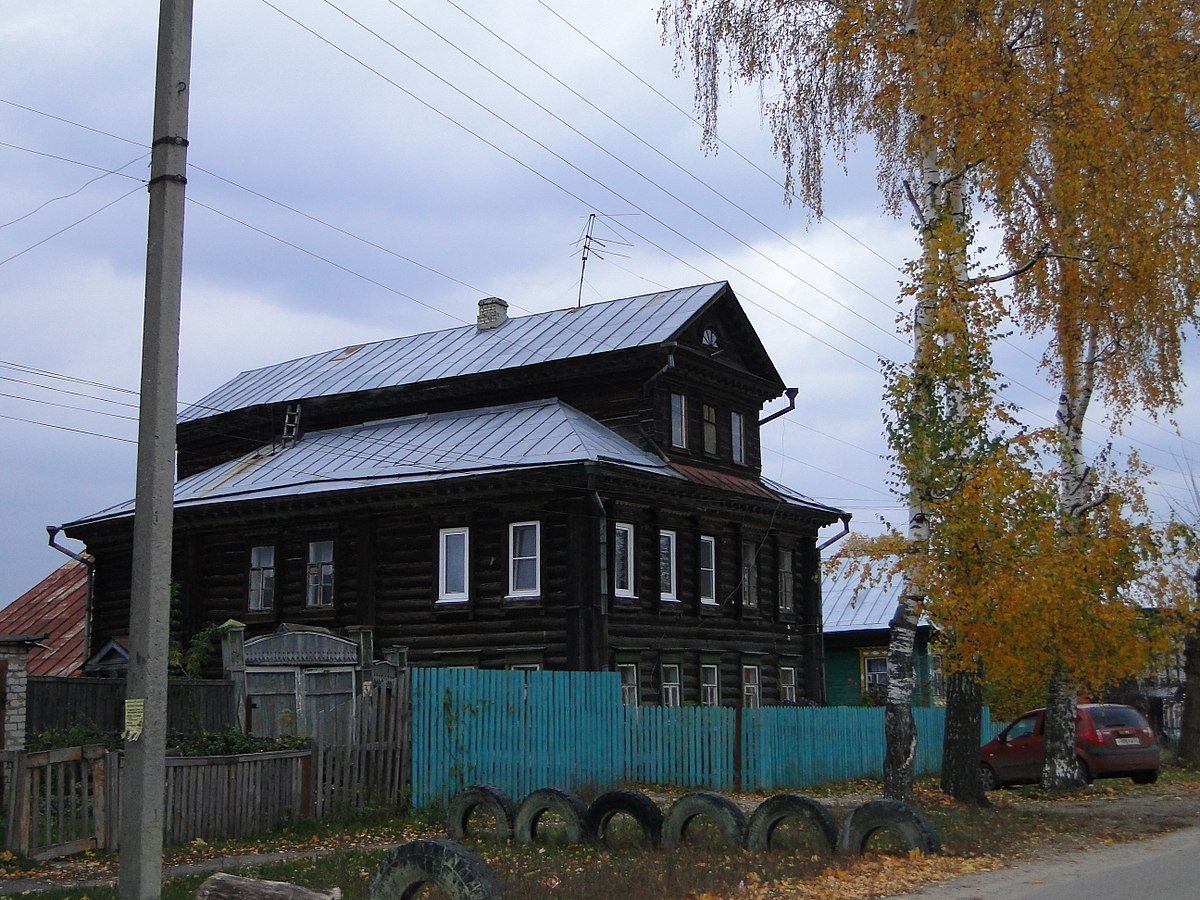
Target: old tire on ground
point(491, 799)
point(564, 804)
point(452, 868)
point(987, 777)
point(773, 811)
point(730, 820)
point(634, 804)
point(900, 819)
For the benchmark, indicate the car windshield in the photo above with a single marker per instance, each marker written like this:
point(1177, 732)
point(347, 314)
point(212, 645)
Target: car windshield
point(1117, 717)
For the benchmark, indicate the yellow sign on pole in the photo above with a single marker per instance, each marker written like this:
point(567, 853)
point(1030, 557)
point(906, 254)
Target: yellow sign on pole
point(135, 719)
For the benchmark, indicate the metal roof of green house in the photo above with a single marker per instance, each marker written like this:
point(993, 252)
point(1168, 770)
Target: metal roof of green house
point(642, 321)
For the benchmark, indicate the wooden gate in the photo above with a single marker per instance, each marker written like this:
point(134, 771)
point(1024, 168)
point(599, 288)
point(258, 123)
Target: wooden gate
point(368, 764)
point(56, 802)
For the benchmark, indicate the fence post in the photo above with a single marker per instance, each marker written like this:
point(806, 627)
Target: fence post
point(308, 785)
point(18, 823)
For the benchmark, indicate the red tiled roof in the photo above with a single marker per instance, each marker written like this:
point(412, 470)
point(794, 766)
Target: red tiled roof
point(57, 608)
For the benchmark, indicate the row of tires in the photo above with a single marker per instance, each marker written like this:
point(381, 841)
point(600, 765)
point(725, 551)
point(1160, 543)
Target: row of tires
point(581, 822)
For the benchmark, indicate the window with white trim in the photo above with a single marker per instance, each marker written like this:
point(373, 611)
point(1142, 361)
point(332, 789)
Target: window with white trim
point(874, 674)
point(319, 593)
point(525, 667)
point(708, 569)
point(787, 684)
point(630, 695)
point(454, 550)
point(710, 690)
point(524, 559)
point(787, 582)
point(737, 434)
point(679, 421)
point(672, 686)
point(623, 558)
point(751, 689)
point(262, 579)
point(666, 566)
point(749, 575)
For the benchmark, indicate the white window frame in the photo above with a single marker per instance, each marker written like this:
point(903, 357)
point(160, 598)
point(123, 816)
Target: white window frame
point(737, 437)
point(877, 678)
point(672, 684)
point(445, 595)
point(624, 573)
point(517, 667)
point(679, 435)
point(630, 686)
point(261, 595)
point(749, 575)
point(710, 690)
point(751, 687)
point(667, 544)
point(318, 573)
point(536, 590)
point(787, 581)
point(708, 593)
point(787, 684)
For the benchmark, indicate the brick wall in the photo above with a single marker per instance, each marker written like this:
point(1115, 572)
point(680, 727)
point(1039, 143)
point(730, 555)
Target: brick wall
point(13, 681)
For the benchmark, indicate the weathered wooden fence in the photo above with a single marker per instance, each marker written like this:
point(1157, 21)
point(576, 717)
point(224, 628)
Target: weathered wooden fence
point(55, 801)
point(192, 705)
point(369, 763)
point(522, 731)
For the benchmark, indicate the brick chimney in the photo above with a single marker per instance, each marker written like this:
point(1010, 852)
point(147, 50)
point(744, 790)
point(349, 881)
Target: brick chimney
point(493, 312)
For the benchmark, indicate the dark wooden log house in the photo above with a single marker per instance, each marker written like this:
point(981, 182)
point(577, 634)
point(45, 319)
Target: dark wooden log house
point(579, 489)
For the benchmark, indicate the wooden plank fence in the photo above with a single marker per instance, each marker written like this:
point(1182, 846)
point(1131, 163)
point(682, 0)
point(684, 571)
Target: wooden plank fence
point(369, 764)
point(192, 705)
point(55, 802)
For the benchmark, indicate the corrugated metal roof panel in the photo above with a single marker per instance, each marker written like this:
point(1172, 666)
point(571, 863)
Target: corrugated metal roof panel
point(414, 448)
point(640, 321)
point(56, 607)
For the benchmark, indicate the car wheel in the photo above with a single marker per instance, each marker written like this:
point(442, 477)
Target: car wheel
point(1146, 777)
point(987, 777)
point(1082, 773)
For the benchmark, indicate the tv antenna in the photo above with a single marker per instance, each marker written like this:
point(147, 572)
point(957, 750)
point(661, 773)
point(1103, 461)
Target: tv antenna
point(593, 245)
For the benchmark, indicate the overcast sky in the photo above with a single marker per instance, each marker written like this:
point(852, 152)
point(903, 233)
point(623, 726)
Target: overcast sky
point(365, 169)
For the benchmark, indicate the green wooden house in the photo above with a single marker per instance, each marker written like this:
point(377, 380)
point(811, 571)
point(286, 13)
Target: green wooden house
point(855, 643)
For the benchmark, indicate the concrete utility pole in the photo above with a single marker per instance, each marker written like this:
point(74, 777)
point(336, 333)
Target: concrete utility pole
point(146, 704)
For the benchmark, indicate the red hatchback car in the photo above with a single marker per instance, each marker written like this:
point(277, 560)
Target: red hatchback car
point(1111, 741)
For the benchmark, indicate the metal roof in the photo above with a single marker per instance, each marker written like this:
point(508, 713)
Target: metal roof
point(55, 610)
point(412, 449)
point(645, 320)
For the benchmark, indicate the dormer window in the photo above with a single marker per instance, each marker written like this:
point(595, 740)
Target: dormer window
point(710, 340)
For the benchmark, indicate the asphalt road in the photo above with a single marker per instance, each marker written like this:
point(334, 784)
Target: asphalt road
point(1162, 867)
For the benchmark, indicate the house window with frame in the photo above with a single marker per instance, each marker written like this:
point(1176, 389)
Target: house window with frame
point(454, 551)
point(737, 435)
point(751, 688)
point(710, 429)
point(261, 596)
point(319, 593)
point(874, 674)
point(672, 685)
point(710, 685)
point(787, 684)
point(623, 559)
point(787, 582)
point(749, 575)
point(679, 421)
point(666, 566)
point(708, 570)
point(525, 667)
point(524, 559)
point(630, 695)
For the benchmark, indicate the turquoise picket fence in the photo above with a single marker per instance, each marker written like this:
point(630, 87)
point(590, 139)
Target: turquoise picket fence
point(521, 731)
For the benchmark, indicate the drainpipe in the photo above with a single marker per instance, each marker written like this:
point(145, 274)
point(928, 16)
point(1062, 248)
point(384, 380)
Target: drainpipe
point(669, 364)
point(845, 517)
point(791, 395)
point(52, 532)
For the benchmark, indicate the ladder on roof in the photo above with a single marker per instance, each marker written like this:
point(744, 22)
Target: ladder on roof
point(291, 425)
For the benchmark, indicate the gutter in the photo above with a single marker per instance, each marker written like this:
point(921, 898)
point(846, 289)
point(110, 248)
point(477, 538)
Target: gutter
point(791, 395)
point(845, 517)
